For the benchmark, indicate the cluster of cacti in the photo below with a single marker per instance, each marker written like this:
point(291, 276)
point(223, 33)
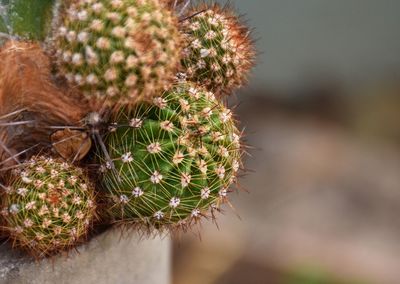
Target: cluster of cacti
point(118, 50)
point(174, 157)
point(167, 147)
point(48, 206)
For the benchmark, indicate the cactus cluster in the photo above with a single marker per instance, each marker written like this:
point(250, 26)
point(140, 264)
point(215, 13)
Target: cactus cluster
point(49, 206)
point(167, 147)
point(218, 49)
point(175, 158)
point(118, 51)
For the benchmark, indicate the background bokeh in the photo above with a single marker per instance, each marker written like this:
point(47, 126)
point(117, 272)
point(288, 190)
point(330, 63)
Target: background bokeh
point(322, 113)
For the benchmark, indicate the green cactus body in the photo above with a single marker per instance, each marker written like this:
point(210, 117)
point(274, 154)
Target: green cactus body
point(3, 26)
point(174, 158)
point(29, 19)
point(219, 52)
point(48, 207)
point(118, 51)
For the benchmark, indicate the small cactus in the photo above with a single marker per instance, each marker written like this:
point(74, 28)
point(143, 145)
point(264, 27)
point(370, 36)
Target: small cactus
point(219, 51)
point(174, 158)
point(118, 50)
point(48, 207)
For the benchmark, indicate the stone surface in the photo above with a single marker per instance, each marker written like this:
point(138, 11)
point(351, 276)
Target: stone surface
point(108, 258)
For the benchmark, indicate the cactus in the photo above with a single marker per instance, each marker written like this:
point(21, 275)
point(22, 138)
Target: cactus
point(48, 207)
point(3, 26)
point(219, 51)
point(30, 19)
point(118, 51)
point(174, 158)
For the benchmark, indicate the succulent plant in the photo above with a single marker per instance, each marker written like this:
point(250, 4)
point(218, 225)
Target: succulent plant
point(29, 19)
point(3, 26)
point(48, 206)
point(219, 51)
point(118, 51)
point(174, 158)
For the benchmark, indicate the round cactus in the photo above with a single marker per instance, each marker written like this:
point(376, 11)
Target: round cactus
point(219, 51)
point(48, 207)
point(118, 51)
point(174, 158)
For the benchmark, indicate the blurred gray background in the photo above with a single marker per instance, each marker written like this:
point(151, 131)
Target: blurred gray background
point(351, 40)
point(322, 112)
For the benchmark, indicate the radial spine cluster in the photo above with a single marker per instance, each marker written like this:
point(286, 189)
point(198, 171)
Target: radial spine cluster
point(119, 50)
point(48, 207)
point(219, 51)
point(174, 158)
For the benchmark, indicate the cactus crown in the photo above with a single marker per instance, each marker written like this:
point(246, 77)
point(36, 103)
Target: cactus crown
point(219, 50)
point(48, 207)
point(174, 158)
point(118, 50)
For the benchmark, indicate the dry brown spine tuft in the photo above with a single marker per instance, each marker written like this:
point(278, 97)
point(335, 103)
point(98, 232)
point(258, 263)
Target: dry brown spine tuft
point(26, 84)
